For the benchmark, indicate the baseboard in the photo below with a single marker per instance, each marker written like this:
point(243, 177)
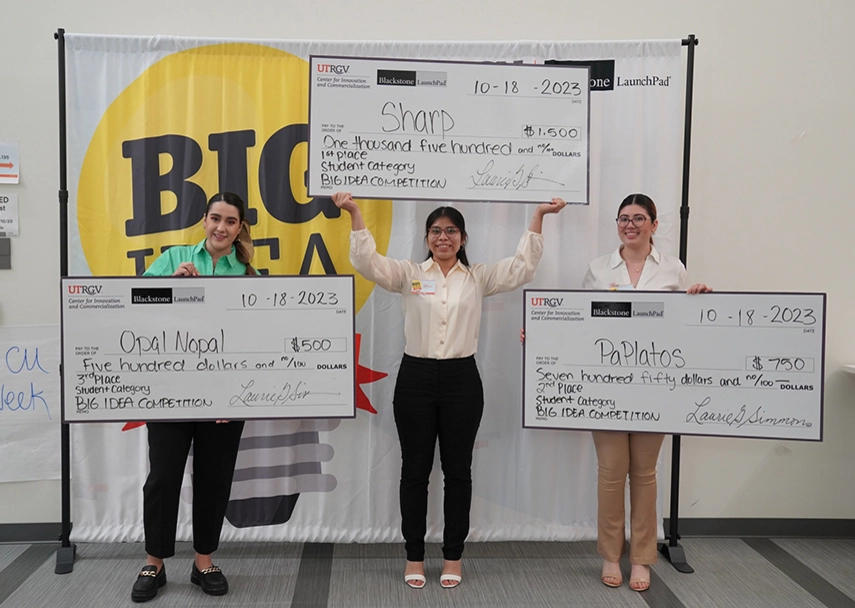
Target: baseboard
point(764, 527)
point(30, 533)
point(689, 527)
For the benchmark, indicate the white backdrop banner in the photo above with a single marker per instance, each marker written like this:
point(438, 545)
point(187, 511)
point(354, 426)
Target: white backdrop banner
point(157, 125)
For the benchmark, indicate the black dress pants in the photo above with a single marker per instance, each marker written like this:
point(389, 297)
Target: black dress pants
point(444, 399)
point(215, 448)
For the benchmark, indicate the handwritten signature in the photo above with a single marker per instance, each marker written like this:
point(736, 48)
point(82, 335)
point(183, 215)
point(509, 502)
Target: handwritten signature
point(702, 416)
point(286, 395)
point(518, 179)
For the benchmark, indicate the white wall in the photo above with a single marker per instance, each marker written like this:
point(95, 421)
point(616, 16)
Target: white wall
point(773, 144)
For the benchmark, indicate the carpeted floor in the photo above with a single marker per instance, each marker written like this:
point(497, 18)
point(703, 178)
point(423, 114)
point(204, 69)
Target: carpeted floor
point(729, 572)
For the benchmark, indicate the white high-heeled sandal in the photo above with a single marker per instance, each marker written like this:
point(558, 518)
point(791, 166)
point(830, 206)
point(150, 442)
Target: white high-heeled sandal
point(411, 579)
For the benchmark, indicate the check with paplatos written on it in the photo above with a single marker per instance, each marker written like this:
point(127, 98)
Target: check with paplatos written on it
point(382, 128)
point(728, 364)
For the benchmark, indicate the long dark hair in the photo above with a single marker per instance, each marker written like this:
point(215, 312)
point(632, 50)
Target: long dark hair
point(643, 201)
point(457, 219)
point(243, 241)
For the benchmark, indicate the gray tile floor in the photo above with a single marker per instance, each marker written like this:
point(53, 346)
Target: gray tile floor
point(729, 572)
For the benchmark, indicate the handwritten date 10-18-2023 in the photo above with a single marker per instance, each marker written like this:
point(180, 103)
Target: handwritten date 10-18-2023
point(282, 299)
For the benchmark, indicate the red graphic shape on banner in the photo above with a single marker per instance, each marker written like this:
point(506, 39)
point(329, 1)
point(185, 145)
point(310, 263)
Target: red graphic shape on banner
point(364, 375)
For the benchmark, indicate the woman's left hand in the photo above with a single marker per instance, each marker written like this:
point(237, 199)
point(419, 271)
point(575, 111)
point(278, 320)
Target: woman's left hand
point(699, 288)
point(556, 205)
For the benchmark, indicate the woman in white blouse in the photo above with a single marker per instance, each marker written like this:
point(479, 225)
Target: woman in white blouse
point(636, 264)
point(438, 393)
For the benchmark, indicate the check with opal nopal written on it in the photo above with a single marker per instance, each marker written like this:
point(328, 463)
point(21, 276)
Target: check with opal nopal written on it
point(723, 364)
point(167, 348)
point(446, 130)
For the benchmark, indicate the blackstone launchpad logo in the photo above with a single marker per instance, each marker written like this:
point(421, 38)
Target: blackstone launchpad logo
point(628, 310)
point(155, 295)
point(411, 78)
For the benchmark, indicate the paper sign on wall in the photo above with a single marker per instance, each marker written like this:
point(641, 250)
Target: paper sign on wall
point(10, 166)
point(8, 215)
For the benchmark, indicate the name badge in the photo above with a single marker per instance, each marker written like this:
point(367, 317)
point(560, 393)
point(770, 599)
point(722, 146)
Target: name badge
point(616, 287)
point(424, 288)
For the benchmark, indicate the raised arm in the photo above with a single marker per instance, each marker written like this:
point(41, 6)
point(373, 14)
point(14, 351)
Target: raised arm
point(388, 273)
point(556, 205)
point(343, 200)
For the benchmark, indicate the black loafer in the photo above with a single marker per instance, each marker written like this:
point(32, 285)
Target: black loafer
point(211, 580)
point(147, 583)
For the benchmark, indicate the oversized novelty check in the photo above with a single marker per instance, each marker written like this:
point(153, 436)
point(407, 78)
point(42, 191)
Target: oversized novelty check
point(151, 348)
point(448, 130)
point(729, 364)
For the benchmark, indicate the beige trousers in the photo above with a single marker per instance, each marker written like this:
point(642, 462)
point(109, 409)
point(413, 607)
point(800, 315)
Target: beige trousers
point(619, 455)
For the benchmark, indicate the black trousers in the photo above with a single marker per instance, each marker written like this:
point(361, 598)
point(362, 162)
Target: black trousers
point(215, 448)
point(437, 398)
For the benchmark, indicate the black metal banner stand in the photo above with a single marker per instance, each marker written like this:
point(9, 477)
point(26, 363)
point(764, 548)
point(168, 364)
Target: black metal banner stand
point(65, 554)
point(671, 549)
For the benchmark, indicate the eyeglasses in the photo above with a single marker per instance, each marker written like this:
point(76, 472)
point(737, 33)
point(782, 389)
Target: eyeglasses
point(637, 220)
point(450, 231)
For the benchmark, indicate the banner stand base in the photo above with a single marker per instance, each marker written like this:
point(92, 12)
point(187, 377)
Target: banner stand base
point(677, 556)
point(65, 559)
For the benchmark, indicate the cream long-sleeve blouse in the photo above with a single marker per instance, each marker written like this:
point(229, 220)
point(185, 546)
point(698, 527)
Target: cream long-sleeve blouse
point(442, 314)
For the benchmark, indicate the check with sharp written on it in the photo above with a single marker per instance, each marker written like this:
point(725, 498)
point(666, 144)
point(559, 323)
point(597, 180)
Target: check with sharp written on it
point(167, 348)
point(726, 364)
point(382, 128)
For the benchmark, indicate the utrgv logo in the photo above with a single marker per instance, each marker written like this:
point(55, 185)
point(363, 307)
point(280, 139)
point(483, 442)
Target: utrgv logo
point(333, 69)
point(90, 290)
point(550, 302)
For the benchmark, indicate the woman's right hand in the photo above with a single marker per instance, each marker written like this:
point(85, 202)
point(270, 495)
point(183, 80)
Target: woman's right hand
point(699, 288)
point(186, 269)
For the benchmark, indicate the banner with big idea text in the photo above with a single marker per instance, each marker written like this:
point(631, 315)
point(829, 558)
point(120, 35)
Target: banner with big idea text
point(156, 125)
